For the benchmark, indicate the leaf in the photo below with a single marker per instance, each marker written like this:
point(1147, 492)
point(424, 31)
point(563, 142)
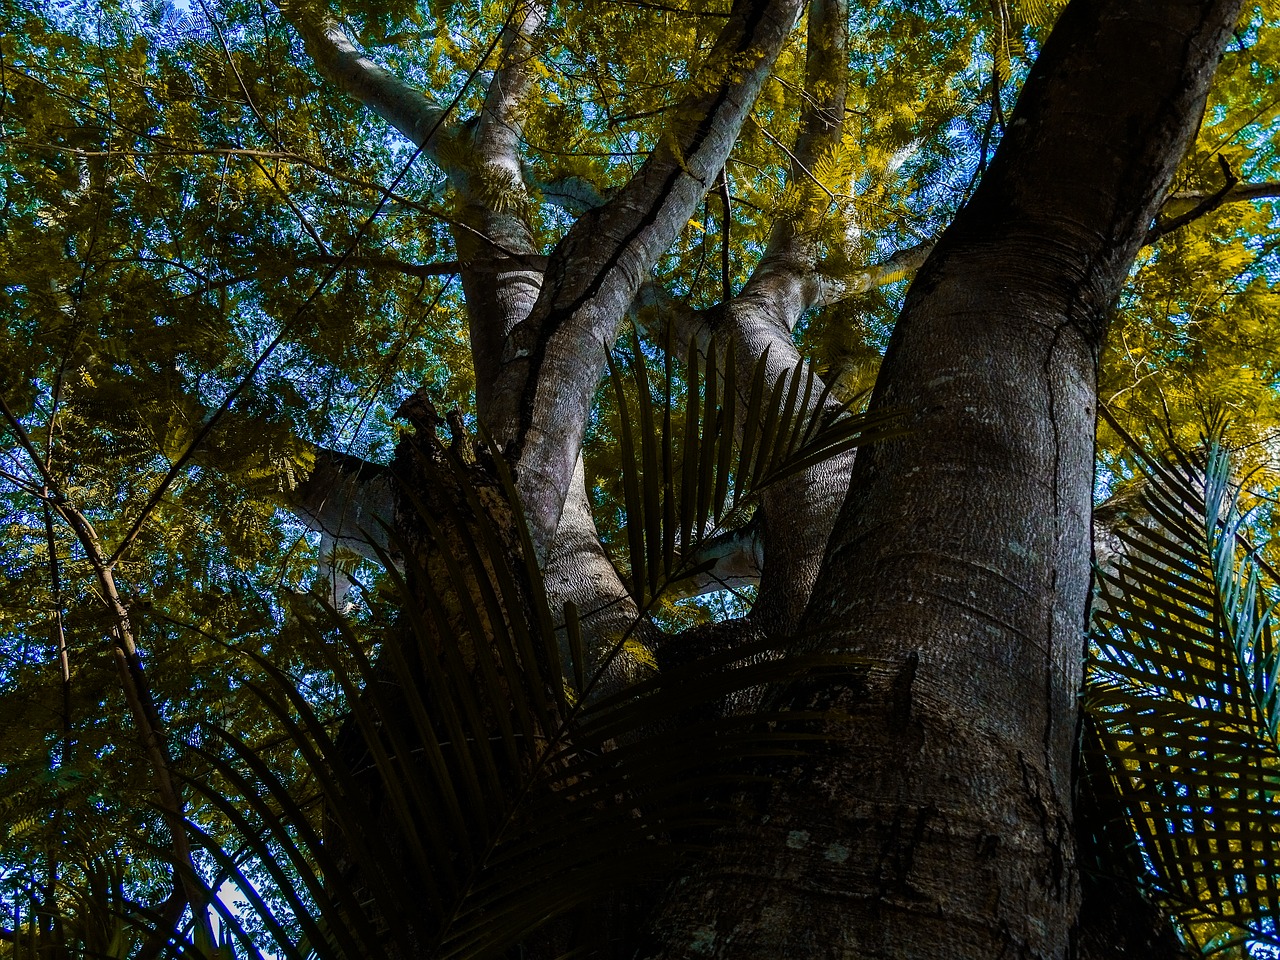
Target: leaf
point(726, 455)
point(1182, 703)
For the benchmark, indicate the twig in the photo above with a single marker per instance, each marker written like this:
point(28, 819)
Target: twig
point(726, 282)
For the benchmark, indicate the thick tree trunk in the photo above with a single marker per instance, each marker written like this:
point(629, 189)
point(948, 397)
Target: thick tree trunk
point(940, 824)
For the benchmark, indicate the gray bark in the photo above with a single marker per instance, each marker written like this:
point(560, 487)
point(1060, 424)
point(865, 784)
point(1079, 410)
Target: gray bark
point(554, 359)
point(578, 571)
point(502, 274)
point(418, 117)
point(940, 826)
point(351, 504)
point(798, 513)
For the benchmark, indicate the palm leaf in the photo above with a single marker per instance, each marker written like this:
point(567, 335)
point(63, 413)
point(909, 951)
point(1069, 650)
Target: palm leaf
point(1182, 703)
point(682, 487)
point(474, 795)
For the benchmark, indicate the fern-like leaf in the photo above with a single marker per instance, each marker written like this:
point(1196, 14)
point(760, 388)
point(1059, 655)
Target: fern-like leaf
point(1182, 700)
point(682, 488)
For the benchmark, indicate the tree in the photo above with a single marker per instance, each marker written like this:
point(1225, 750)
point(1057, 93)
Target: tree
point(208, 252)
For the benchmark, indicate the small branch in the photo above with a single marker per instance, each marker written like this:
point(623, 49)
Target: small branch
point(302, 218)
point(894, 268)
point(58, 635)
point(20, 483)
point(1266, 190)
point(24, 440)
point(996, 113)
point(128, 664)
point(443, 268)
point(336, 57)
point(137, 691)
point(726, 282)
point(795, 161)
point(1205, 206)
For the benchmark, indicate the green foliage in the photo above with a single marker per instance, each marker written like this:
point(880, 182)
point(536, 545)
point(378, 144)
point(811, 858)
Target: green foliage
point(176, 186)
point(686, 483)
point(1184, 706)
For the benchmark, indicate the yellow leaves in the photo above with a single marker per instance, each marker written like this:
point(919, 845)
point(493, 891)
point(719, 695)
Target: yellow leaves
point(500, 191)
point(24, 827)
point(638, 652)
point(1011, 17)
point(1039, 13)
point(835, 170)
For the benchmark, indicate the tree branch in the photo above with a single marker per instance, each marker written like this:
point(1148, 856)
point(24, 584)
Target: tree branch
point(1239, 192)
point(499, 293)
point(834, 288)
point(1205, 205)
point(443, 268)
point(730, 561)
point(351, 503)
point(798, 513)
point(336, 57)
point(549, 373)
point(572, 193)
point(654, 302)
point(133, 678)
point(497, 138)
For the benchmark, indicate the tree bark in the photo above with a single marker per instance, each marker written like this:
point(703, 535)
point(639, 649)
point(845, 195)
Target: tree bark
point(554, 359)
point(939, 823)
point(799, 512)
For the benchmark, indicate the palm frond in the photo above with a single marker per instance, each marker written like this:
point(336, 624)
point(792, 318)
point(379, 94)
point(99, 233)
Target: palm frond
point(682, 487)
point(1182, 700)
point(473, 795)
point(91, 917)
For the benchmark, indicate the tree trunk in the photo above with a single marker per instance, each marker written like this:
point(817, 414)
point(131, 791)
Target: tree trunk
point(940, 823)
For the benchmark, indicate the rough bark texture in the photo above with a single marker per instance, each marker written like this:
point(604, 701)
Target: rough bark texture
point(578, 571)
point(554, 359)
point(797, 514)
point(940, 825)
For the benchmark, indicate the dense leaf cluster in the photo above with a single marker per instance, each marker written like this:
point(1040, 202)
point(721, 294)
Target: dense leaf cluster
point(212, 265)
